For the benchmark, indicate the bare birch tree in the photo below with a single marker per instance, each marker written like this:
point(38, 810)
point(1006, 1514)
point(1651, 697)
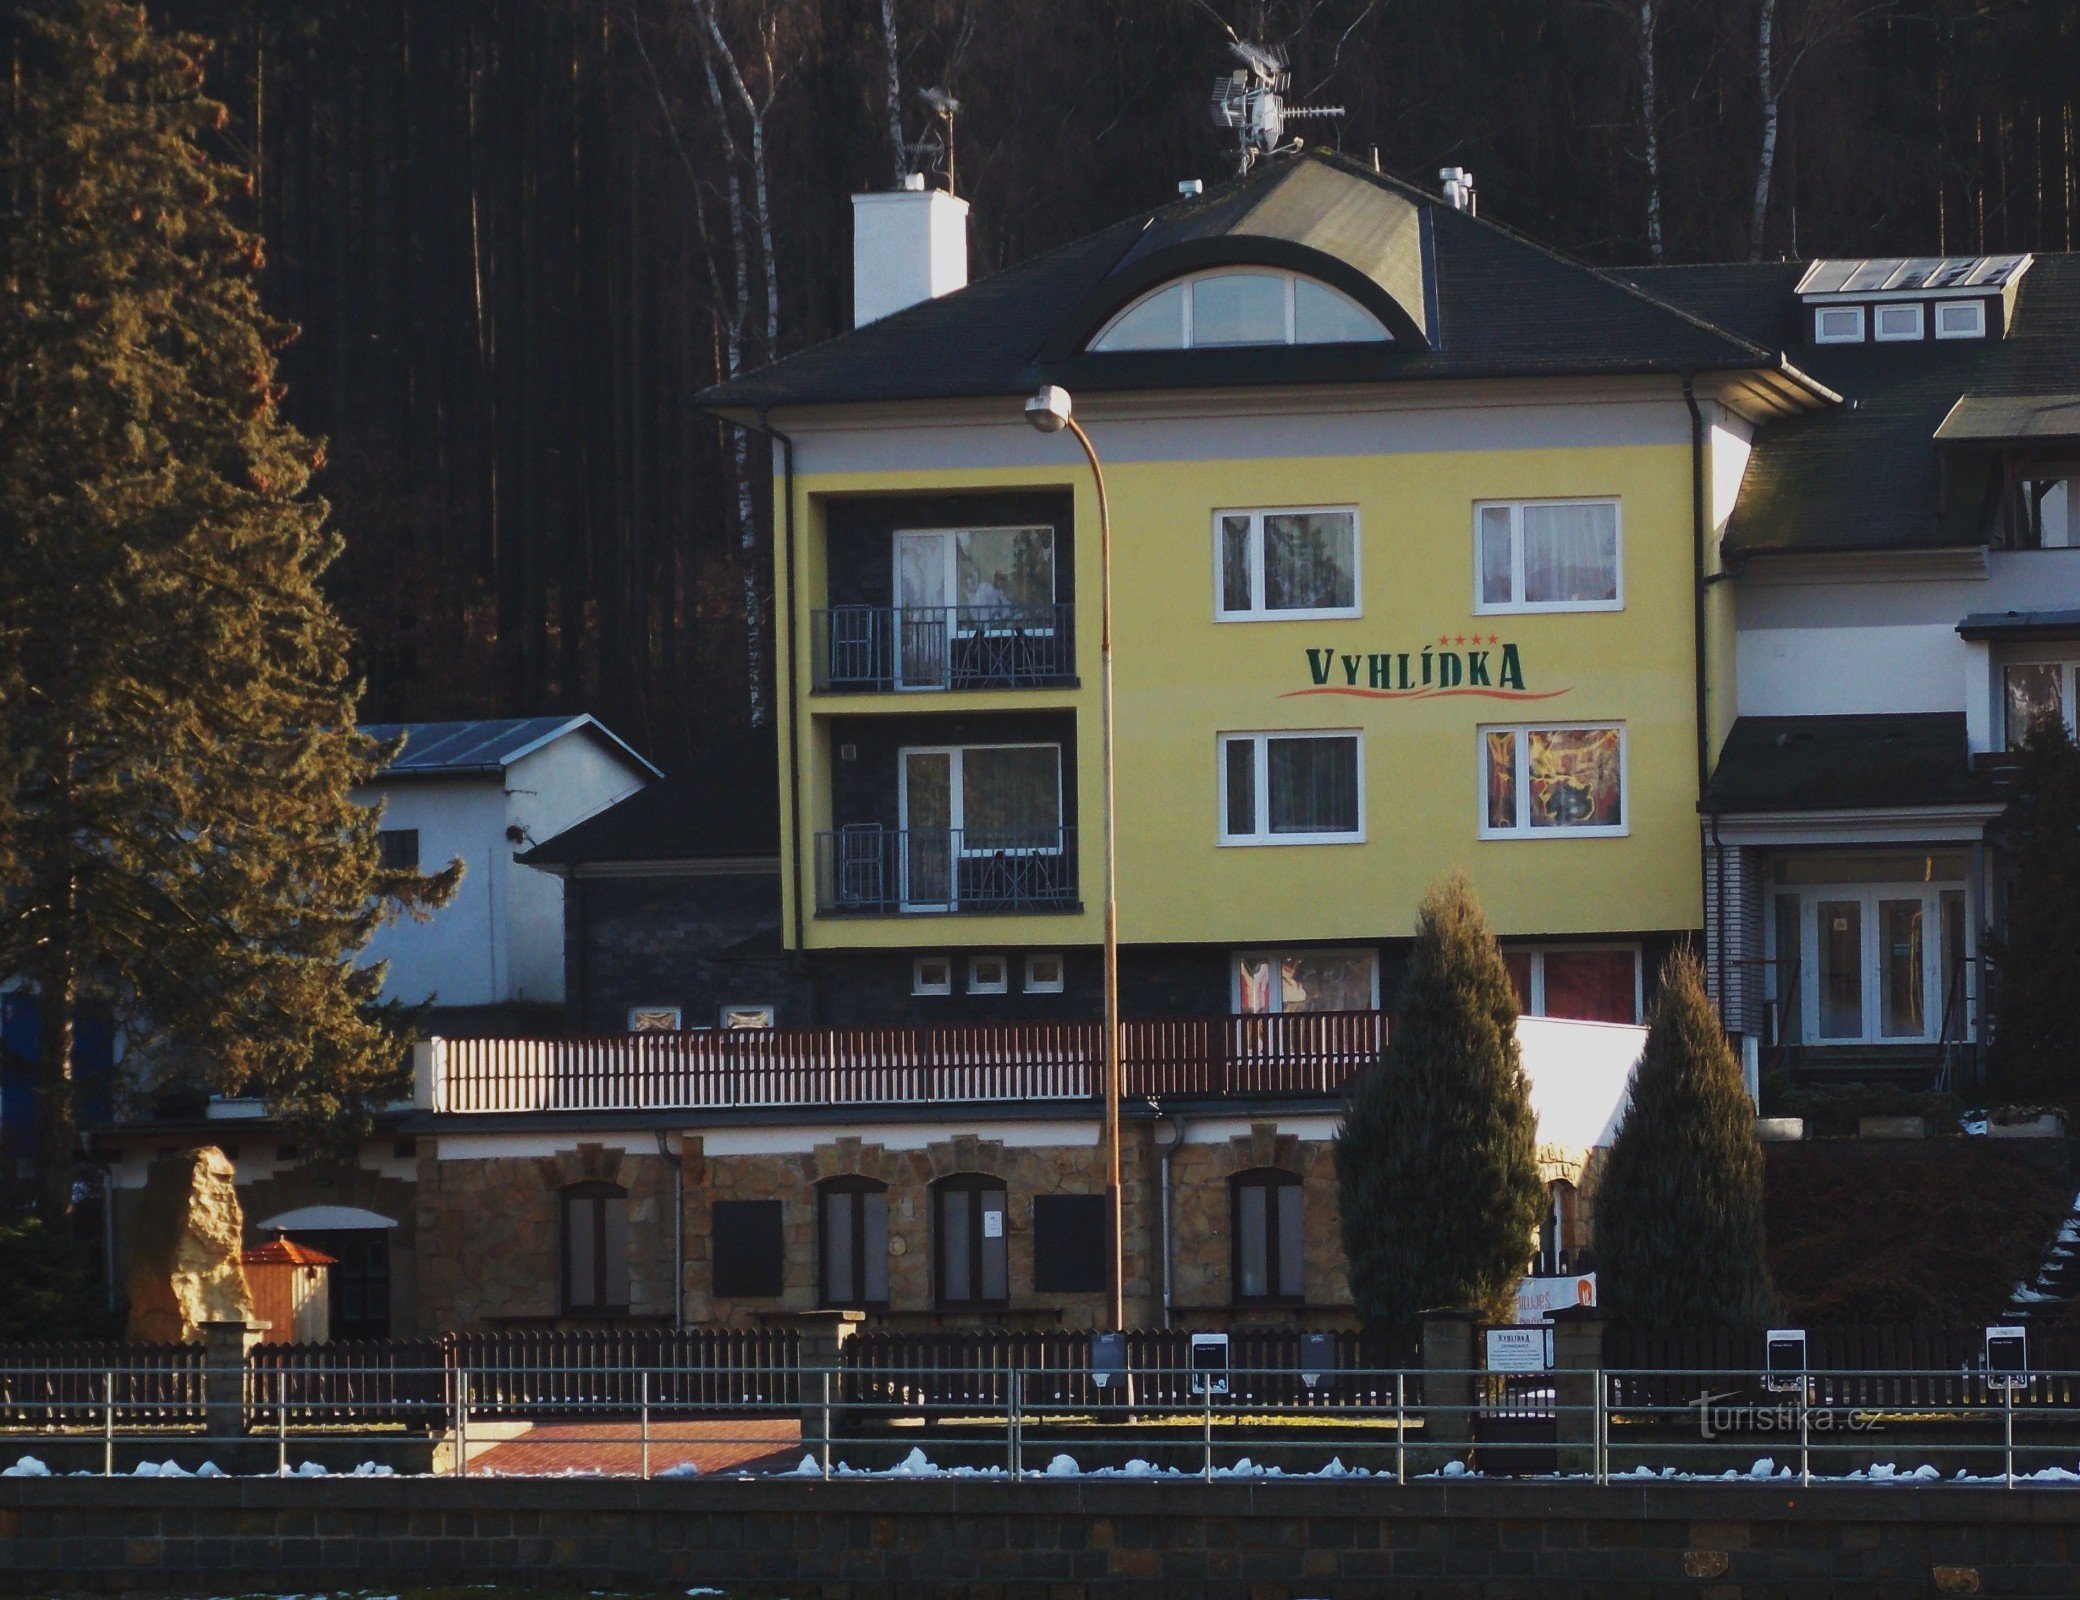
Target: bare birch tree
point(1771, 91)
point(899, 156)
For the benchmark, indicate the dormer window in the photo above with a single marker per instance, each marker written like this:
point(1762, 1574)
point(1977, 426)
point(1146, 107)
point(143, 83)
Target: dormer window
point(1838, 325)
point(1961, 319)
point(1212, 310)
point(1899, 324)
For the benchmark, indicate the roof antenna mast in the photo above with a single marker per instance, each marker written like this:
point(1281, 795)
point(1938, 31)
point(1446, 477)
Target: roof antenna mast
point(1251, 101)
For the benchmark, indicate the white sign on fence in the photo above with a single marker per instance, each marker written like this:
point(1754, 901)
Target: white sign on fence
point(1519, 1349)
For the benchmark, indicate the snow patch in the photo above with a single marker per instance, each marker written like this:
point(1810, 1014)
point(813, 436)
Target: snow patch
point(1063, 1467)
point(27, 1467)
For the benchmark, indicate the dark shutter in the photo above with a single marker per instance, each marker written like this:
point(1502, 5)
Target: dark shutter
point(746, 1238)
point(1072, 1242)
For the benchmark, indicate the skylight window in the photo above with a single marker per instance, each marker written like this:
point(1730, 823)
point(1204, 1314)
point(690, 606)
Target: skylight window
point(1212, 310)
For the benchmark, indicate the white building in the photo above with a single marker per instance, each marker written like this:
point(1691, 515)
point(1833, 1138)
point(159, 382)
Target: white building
point(484, 792)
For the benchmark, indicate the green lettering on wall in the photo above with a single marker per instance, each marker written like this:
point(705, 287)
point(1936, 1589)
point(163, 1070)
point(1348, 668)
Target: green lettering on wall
point(1512, 668)
point(1477, 667)
point(1350, 670)
point(1448, 670)
point(1318, 664)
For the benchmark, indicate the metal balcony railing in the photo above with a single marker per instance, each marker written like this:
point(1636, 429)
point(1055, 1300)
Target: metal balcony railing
point(867, 648)
point(869, 870)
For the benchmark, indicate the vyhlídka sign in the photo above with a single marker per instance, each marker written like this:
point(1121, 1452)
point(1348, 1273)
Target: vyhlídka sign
point(1485, 667)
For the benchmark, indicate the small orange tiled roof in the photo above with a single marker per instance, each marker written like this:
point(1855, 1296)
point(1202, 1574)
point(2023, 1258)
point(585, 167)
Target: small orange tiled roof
point(286, 1252)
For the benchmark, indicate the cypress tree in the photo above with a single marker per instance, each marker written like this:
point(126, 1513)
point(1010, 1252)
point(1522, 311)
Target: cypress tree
point(1679, 1235)
point(177, 739)
point(2035, 1052)
point(1436, 1165)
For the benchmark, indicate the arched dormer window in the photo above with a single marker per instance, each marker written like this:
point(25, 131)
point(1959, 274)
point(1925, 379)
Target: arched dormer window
point(1239, 306)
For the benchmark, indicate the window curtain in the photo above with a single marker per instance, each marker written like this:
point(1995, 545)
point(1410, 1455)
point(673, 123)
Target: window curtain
point(999, 568)
point(1314, 785)
point(1570, 553)
point(1309, 563)
point(1011, 796)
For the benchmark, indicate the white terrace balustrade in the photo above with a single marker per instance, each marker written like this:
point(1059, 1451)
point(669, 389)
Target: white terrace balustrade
point(1183, 1057)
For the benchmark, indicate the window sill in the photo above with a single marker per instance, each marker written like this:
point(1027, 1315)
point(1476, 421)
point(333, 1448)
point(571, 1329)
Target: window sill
point(1548, 608)
point(1052, 909)
point(1275, 841)
point(1555, 833)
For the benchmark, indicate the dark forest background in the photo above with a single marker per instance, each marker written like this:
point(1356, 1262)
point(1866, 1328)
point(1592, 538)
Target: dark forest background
point(520, 236)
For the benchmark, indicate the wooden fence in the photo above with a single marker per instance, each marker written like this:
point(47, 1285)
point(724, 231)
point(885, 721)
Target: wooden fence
point(60, 1385)
point(1194, 1057)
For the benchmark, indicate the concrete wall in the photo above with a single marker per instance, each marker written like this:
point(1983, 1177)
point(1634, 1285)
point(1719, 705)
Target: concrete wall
point(1077, 1540)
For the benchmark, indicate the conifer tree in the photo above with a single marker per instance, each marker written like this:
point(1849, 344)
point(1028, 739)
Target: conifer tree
point(1679, 1234)
point(2035, 1053)
point(1436, 1165)
point(177, 738)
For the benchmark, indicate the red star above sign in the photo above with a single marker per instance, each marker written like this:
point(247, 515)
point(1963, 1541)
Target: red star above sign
point(1444, 638)
point(1491, 638)
point(1461, 639)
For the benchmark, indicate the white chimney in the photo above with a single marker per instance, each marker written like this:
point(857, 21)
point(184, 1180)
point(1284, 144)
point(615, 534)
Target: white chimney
point(908, 244)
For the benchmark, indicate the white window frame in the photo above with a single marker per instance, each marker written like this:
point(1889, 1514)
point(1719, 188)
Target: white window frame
point(921, 983)
point(1277, 954)
point(957, 798)
point(1977, 310)
point(675, 1025)
point(1879, 334)
point(1822, 336)
point(1524, 829)
point(1539, 952)
point(1185, 329)
point(1870, 956)
point(746, 1018)
point(949, 557)
point(1257, 611)
point(1519, 606)
point(2069, 686)
point(978, 984)
point(1261, 738)
point(1038, 985)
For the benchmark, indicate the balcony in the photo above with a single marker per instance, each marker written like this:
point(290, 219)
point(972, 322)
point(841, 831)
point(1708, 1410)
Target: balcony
point(874, 649)
point(869, 870)
point(1214, 1058)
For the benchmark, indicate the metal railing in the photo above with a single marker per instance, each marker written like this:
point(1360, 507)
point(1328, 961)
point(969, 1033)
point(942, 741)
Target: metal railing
point(1335, 1422)
point(1235, 1057)
point(869, 870)
point(870, 648)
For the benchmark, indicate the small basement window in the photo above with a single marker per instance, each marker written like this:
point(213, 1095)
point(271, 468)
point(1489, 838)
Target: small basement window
point(1044, 973)
point(930, 975)
point(1961, 319)
point(1838, 325)
point(1899, 324)
point(989, 975)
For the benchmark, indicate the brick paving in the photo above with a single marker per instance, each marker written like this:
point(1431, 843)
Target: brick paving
point(764, 1444)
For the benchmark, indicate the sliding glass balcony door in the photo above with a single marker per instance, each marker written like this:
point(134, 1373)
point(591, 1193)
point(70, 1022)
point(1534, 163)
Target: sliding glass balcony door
point(980, 824)
point(1869, 964)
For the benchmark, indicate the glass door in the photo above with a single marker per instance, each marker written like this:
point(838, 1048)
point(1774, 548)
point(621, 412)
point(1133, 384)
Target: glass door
point(924, 602)
point(1883, 962)
point(928, 799)
point(1838, 969)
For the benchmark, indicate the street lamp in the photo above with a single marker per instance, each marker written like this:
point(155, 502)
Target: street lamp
point(1051, 411)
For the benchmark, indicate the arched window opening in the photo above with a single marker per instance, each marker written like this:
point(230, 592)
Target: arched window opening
point(595, 1250)
point(1270, 1239)
point(1228, 307)
point(971, 1254)
point(852, 1236)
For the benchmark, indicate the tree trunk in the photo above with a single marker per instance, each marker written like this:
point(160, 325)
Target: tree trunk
point(57, 1000)
point(1649, 116)
point(897, 155)
point(1766, 156)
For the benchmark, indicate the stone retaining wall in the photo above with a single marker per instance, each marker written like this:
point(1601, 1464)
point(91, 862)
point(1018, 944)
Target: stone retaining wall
point(1084, 1540)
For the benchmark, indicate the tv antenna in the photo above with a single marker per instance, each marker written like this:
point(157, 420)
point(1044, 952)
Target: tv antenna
point(933, 143)
point(1251, 100)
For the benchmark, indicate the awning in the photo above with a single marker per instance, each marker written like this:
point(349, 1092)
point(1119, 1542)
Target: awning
point(2021, 625)
point(1842, 763)
point(2011, 419)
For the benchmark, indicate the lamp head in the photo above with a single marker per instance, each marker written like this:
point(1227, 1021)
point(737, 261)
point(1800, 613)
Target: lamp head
point(1049, 409)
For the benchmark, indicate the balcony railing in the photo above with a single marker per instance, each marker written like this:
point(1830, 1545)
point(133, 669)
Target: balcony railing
point(869, 870)
point(1294, 1055)
point(866, 648)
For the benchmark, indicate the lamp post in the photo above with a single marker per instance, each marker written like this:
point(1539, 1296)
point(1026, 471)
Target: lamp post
point(1051, 411)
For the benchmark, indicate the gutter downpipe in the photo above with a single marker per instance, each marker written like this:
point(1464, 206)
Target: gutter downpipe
point(1698, 522)
point(1169, 1151)
point(678, 1165)
point(794, 752)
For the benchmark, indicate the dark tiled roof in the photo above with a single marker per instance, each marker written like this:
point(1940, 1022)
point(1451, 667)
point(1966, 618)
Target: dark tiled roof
point(1494, 305)
point(1844, 763)
point(459, 749)
point(1867, 475)
point(725, 807)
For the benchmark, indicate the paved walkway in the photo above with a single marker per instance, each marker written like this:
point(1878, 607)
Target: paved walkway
point(762, 1444)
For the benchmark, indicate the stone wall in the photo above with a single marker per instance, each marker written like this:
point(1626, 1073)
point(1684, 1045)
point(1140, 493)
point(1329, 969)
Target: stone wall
point(1072, 1540)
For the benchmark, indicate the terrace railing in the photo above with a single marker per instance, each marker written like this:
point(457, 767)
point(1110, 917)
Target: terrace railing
point(868, 870)
point(865, 649)
point(1298, 1054)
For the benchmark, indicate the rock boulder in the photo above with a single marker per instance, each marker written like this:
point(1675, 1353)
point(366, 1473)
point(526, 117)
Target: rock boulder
point(186, 1244)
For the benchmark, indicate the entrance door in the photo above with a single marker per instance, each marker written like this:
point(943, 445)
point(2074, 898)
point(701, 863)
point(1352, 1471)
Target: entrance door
point(924, 606)
point(1884, 964)
point(358, 1282)
point(930, 849)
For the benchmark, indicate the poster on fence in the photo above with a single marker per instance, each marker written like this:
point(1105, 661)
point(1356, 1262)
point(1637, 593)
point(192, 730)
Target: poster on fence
point(1539, 1298)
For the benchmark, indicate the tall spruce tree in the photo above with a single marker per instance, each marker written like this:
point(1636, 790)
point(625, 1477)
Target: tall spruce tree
point(2035, 1053)
point(177, 738)
point(1679, 1236)
point(1436, 1166)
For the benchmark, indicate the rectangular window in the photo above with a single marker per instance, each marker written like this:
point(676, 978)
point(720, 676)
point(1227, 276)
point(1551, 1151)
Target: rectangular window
point(989, 797)
point(743, 1019)
point(1072, 1243)
point(1292, 788)
point(989, 975)
point(1838, 325)
point(1270, 1238)
point(653, 1019)
point(973, 1253)
point(747, 1247)
point(1960, 319)
point(931, 975)
point(398, 849)
point(1306, 980)
point(1581, 983)
point(1552, 782)
point(595, 1249)
point(1044, 974)
point(1899, 324)
point(2036, 691)
point(1546, 555)
point(854, 1218)
point(1297, 563)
